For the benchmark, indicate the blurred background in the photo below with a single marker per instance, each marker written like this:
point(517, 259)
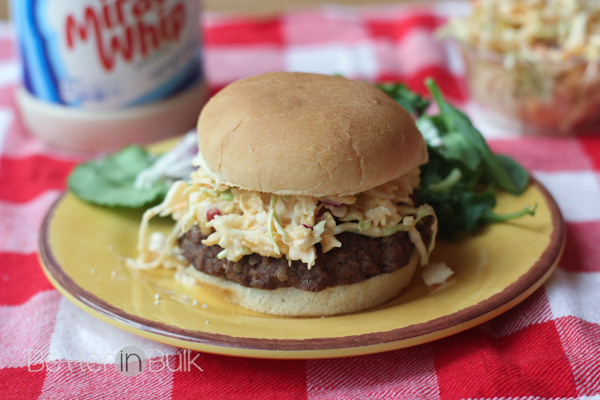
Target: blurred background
point(249, 7)
point(3, 9)
point(530, 67)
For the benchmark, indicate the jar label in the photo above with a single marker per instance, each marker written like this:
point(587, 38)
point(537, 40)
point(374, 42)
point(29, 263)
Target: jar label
point(108, 54)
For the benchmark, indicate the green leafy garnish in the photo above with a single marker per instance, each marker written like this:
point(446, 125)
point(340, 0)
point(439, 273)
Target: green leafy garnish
point(446, 184)
point(411, 101)
point(460, 179)
point(456, 147)
point(110, 180)
point(456, 121)
point(518, 175)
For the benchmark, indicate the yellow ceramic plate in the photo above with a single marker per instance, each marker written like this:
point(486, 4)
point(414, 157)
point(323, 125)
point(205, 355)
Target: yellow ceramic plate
point(83, 248)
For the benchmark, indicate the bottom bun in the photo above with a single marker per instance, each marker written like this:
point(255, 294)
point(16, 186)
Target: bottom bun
point(290, 301)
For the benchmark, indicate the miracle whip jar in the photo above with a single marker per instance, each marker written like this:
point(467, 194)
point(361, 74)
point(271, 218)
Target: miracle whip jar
point(98, 74)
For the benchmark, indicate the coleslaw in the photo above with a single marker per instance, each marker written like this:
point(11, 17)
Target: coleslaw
point(245, 222)
point(535, 61)
point(532, 30)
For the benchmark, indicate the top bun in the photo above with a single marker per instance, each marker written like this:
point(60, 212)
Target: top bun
point(307, 134)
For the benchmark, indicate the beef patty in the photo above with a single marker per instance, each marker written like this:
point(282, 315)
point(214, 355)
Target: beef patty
point(359, 258)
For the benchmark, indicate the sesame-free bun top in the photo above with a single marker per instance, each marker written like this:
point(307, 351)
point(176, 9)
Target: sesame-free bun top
point(307, 134)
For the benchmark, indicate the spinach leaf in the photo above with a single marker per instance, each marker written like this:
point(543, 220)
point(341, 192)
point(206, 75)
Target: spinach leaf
point(460, 178)
point(458, 209)
point(109, 181)
point(491, 217)
point(518, 175)
point(456, 147)
point(456, 121)
point(430, 130)
point(411, 101)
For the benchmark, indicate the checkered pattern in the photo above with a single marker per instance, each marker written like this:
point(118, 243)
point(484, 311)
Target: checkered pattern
point(547, 347)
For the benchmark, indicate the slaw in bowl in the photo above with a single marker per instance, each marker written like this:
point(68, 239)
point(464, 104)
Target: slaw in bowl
point(533, 61)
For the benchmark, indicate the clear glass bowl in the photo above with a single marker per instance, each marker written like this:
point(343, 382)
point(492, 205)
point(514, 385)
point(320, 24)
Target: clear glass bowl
point(542, 98)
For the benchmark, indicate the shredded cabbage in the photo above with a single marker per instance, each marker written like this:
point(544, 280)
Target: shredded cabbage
point(173, 165)
point(532, 30)
point(536, 62)
point(250, 222)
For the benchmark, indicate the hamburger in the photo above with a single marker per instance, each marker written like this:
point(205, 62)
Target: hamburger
point(304, 199)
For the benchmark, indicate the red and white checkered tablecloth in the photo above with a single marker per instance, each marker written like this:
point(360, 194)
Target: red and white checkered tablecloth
point(548, 347)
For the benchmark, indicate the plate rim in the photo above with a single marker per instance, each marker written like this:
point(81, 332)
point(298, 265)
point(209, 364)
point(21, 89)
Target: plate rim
point(534, 276)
